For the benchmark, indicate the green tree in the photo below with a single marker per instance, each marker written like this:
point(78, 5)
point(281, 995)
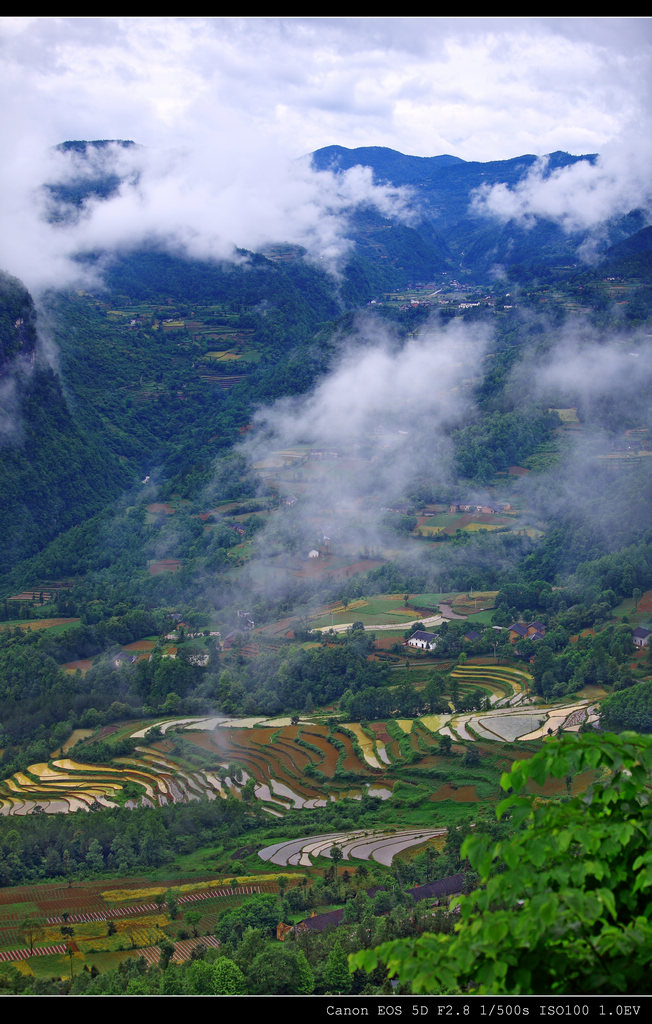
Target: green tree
point(252, 943)
point(192, 919)
point(629, 709)
point(166, 952)
point(227, 978)
point(199, 978)
point(336, 854)
point(280, 970)
point(446, 745)
point(570, 913)
point(336, 973)
point(472, 757)
point(95, 856)
point(255, 912)
point(172, 905)
point(31, 930)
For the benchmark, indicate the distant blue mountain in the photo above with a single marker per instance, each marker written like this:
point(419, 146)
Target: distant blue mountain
point(95, 179)
point(446, 235)
point(388, 164)
point(452, 234)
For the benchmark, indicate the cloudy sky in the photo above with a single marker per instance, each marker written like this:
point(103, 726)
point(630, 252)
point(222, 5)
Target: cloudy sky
point(481, 89)
point(223, 106)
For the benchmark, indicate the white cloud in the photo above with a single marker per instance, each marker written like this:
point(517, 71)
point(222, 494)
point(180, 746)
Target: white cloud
point(396, 402)
point(480, 88)
point(224, 107)
point(205, 202)
point(579, 197)
point(585, 367)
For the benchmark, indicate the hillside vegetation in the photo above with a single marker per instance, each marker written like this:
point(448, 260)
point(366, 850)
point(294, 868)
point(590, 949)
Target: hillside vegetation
point(232, 495)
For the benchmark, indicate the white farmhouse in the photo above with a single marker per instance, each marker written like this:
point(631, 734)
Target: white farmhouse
point(423, 640)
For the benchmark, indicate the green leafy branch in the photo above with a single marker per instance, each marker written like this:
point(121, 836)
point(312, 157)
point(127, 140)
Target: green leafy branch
point(564, 904)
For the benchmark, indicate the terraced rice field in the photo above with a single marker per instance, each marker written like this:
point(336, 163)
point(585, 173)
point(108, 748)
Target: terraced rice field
point(65, 785)
point(522, 723)
point(504, 727)
point(502, 681)
point(366, 744)
point(360, 845)
point(435, 722)
point(272, 757)
point(291, 766)
point(136, 925)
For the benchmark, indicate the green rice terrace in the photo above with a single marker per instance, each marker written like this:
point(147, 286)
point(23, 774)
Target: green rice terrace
point(326, 793)
point(284, 765)
point(416, 780)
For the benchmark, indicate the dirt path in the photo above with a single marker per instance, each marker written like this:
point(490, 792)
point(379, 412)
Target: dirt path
point(448, 612)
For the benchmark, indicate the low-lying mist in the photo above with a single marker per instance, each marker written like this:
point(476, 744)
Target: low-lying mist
point(350, 459)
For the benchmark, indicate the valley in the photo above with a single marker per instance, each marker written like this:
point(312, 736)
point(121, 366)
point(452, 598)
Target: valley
point(299, 572)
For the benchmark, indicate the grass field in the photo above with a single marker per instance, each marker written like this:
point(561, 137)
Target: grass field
point(379, 609)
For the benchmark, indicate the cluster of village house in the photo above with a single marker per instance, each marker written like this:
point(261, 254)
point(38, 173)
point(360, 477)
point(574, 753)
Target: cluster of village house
point(492, 510)
point(426, 641)
point(517, 631)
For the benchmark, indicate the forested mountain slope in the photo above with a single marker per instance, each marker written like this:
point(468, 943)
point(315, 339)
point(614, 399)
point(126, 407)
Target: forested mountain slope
point(52, 473)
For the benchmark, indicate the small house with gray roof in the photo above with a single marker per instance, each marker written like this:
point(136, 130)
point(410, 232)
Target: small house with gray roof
point(423, 640)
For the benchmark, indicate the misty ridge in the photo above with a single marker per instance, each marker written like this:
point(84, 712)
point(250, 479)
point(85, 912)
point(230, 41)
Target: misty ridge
point(80, 199)
point(96, 198)
point(387, 419)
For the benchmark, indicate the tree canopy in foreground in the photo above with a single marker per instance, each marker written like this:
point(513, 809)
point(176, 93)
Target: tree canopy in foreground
point(564, 904)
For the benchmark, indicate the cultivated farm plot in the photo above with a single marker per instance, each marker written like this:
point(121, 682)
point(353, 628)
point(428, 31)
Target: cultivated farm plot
point(291, 766)
point(382, 609)
point(222, 356)
point(645, 603)
point(105, 923)
point(367, 745)
point(506, 727)
point(435, 722)
point(359, 845)
point(519, 723)
point(155, 568)
point(53, 625)
point(474, 601)
point(504, 682)
point(271, 756)
point(81, 664)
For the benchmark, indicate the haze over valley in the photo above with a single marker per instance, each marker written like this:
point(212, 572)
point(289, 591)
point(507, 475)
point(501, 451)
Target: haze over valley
point(326, 468)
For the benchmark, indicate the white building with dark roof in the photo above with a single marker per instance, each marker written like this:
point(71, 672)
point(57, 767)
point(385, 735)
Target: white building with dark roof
point(423, 640)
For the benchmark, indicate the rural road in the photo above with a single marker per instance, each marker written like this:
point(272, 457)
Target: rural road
point(432, 620)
